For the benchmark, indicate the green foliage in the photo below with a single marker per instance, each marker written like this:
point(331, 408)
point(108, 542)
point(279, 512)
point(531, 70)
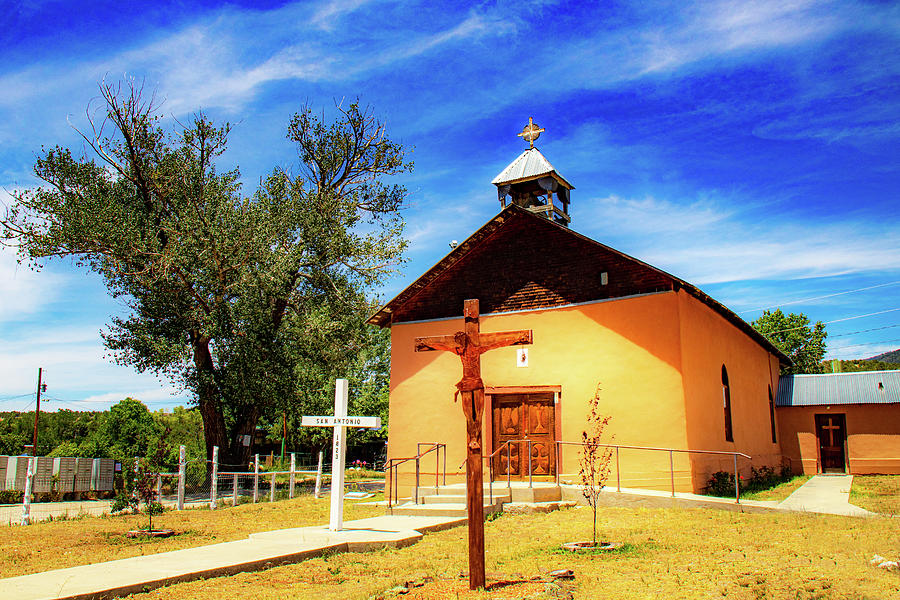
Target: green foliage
point(856, 366)
point(11, 496)
point(127, 431)
point(721, 483)
point(253, 303)
point(185, 428)
point(65, 449)
point(892, 357)
point(793, 335)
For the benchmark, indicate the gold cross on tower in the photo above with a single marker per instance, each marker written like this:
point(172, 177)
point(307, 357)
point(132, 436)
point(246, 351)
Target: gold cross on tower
point(531, 132)
point(469, 345)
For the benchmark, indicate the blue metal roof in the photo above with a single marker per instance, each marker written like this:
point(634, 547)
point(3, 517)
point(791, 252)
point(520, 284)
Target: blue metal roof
point(866, 387)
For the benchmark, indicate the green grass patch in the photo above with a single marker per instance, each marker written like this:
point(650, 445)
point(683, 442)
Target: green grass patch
point(779, 491)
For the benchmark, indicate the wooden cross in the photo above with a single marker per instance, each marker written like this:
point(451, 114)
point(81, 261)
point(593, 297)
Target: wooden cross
point(531, 132)
point(831, 429)
point(469, 345)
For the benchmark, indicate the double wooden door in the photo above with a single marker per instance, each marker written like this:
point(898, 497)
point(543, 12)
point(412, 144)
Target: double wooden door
point(831, 432)
point(527, 422)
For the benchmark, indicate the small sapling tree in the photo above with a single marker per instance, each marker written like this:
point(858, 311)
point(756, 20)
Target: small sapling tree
point(595, 458)
point(143, 486)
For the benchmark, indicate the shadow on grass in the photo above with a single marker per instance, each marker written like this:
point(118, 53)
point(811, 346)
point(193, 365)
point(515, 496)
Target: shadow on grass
point(626, 550)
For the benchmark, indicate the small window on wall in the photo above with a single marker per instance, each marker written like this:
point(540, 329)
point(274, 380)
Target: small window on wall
point(726, 401)
point(772, 415)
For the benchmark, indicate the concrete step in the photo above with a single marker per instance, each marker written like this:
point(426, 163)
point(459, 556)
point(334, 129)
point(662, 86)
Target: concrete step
point(517, 492)
point(461, 498)
point(439, 510)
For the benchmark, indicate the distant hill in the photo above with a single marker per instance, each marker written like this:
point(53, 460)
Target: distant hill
point(889, 357)
point(860, 364)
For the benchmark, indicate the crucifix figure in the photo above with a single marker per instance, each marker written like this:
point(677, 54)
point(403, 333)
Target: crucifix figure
point(469, 345)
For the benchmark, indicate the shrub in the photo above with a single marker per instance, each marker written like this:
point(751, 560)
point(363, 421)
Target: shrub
point(721, 483)
point(11, 496)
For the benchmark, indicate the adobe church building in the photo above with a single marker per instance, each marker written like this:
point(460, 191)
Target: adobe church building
point(675, 369)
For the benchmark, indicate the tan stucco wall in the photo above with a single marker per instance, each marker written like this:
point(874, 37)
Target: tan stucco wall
point(643, 351)
point(873, 436)
point(708, 342)
point(629, 346)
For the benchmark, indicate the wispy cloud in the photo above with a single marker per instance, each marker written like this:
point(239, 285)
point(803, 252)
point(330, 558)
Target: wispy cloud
point(330, 12)
point(711, 242)
point(76, 367)
point(24, 291)
point(214, 63)
point(167, 395)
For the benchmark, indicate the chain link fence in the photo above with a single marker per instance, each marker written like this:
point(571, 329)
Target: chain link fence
point(34, 490)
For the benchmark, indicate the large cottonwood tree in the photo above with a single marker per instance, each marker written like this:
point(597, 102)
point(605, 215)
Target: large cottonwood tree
point(233, 296)
point(794, 335)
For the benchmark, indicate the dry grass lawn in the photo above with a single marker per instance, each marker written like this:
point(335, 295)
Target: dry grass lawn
point(669, 553)
point(58, 544)
point(878, 493)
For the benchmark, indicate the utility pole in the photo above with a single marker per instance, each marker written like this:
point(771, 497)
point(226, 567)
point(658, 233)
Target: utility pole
point(37, 412)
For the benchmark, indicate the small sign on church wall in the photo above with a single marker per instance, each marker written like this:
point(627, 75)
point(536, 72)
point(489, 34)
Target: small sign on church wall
point(521, 357)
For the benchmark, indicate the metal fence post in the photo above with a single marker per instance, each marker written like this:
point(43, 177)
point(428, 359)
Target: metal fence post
point(26, 496)
point(618, 472)
point(529, 464)
point(558, 459)
point(508, 467)
point(137, 468)
point(255, 478)
point(293, 468)
point(272, 488)
point(319, 475)
point(388, 489)
point(737, 488)
point(234, 494)
point(181, 477)
point(416, 495)
point(214, 486)
point(672, 471)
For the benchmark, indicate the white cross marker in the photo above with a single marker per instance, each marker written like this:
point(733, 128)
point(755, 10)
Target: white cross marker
point(340, 421)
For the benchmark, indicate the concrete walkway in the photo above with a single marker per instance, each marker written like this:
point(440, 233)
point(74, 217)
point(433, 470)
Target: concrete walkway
point(829, 494)
point(259, 551)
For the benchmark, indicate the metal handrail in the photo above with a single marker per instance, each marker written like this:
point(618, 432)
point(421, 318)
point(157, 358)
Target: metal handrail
point(671, 451)
point(507, 445)
point(392, 474)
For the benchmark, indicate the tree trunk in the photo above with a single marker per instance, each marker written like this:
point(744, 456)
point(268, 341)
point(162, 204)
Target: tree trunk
point(214, 429)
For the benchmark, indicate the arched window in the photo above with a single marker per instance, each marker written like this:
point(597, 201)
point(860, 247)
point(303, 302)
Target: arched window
point(772, 415)
point(726, 400)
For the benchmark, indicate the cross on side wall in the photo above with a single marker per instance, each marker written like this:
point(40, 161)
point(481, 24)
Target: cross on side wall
point(469, 345)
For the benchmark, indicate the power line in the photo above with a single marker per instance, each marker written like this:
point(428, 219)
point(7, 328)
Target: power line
point(871, 287)
point(14, 397)
point(868, 344)
point(880, 312)
point(834, 335)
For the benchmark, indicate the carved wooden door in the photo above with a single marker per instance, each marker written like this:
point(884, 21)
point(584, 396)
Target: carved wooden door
point(527, 422)
point(831, 431)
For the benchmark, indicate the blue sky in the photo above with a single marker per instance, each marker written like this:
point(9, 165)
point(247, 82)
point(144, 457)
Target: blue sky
point(749, 148)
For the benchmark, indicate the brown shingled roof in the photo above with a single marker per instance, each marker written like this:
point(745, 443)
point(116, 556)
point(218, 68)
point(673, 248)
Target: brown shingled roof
point(521, 261)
